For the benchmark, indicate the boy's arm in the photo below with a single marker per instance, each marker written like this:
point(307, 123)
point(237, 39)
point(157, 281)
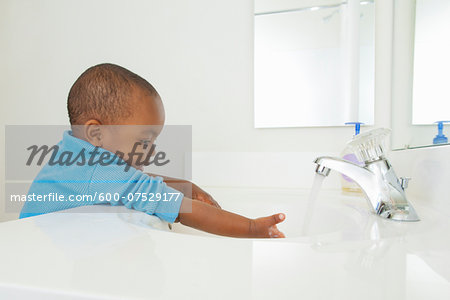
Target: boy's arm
point(217, 221)
point(189, 189)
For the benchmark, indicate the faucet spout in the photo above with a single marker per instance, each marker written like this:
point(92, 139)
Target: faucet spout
point(379, 183)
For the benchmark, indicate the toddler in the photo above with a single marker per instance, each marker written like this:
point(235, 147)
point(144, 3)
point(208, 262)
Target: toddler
point(101, 101)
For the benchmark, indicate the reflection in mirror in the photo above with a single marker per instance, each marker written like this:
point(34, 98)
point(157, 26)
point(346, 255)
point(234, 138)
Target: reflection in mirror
point(314, 65)
point(421, 94)
point(431, 93)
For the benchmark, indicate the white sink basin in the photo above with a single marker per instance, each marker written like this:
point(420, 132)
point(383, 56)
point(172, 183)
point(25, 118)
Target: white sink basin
point(334, 218)
point(329, 215)
point(346, 252)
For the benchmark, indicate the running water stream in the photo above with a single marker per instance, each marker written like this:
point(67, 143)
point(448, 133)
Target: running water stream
point(317, 184)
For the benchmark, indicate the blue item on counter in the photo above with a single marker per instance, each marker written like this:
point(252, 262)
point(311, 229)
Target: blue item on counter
point(440, 138)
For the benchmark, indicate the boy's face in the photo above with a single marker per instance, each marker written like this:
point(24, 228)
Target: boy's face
point(138, 131)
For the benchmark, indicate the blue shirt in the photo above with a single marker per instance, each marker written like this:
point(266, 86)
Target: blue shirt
point(63, 186)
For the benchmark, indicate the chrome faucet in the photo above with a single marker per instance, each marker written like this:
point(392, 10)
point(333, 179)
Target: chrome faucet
point(383, 190)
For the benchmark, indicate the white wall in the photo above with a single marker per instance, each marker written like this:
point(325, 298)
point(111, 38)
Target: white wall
point(197, 53)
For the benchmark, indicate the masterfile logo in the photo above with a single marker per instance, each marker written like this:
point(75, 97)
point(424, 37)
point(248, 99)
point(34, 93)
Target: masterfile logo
point(28, 148)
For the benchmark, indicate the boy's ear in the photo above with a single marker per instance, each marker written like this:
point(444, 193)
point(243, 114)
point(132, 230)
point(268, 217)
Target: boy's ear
point(93, 132)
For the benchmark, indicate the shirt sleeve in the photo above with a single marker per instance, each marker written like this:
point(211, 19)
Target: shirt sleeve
point(136, 190)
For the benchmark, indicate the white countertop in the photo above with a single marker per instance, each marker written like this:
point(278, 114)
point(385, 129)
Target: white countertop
point(347, 253)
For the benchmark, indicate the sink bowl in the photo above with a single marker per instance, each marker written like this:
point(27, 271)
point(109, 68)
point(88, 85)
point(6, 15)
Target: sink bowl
point(328, 215)
point(342, 253)
point(333, 217)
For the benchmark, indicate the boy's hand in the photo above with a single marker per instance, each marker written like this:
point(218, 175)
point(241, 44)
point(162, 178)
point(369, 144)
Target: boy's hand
point(202, 216)
point(201, 195)
point(187, 187)
point(266, 227)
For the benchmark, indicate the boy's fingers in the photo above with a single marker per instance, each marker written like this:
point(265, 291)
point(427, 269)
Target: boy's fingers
point(273, 230)
point(277, 218)
point(277, 234)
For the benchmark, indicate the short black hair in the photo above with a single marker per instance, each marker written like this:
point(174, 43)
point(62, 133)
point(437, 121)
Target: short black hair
point(103, 92)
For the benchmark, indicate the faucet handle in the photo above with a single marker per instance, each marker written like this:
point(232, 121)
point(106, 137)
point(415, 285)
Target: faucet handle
point(369, 146)
point(404, 182)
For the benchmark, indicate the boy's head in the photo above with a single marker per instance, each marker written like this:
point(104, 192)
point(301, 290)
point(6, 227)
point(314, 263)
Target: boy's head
point(106, 96)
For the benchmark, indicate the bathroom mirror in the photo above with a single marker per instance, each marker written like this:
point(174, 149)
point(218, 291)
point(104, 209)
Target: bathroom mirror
point(314, 63)
point(421, 94)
